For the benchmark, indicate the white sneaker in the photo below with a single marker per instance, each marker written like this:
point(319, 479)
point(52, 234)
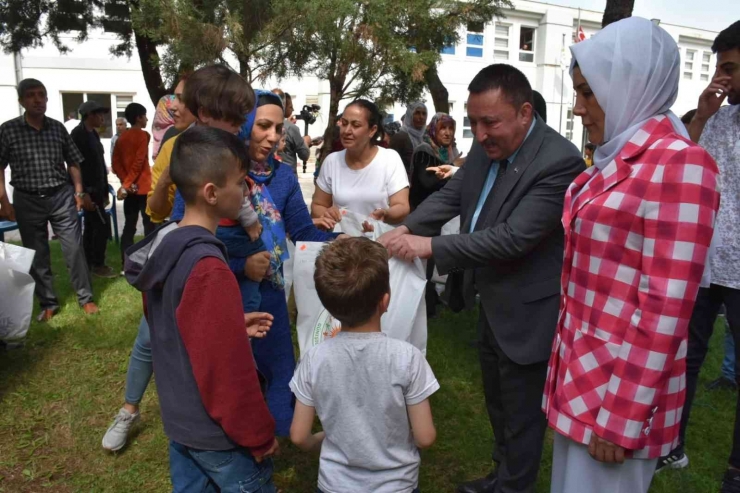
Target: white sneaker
point(115, 438)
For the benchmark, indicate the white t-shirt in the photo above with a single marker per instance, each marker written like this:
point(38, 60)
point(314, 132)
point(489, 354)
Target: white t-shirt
point(363, 191)
point(360, 385)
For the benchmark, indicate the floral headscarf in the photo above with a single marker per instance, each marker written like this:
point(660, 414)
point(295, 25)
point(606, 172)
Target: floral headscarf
point(445, 154)
point(273, 228)
point(163, 120)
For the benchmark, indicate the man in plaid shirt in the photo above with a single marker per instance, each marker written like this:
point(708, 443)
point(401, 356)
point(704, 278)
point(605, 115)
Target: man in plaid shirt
point(36, 148)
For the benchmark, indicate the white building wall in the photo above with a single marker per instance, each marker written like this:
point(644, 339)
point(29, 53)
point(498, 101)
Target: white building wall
point(90, 68)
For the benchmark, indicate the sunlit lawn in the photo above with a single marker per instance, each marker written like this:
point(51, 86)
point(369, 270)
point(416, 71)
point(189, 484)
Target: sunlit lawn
point(59, 393)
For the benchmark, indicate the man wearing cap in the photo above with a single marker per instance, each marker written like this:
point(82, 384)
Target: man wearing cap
point(95, 181)
point(36, 148)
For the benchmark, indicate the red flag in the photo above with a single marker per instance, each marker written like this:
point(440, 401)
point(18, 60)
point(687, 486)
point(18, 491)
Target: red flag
point(580, 35)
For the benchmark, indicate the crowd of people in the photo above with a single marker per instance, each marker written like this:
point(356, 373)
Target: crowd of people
point(598, 279)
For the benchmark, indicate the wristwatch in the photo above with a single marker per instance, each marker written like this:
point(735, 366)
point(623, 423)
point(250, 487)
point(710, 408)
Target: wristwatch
point(80, 195)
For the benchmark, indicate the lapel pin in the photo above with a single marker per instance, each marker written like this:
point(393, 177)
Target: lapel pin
point(516, 170)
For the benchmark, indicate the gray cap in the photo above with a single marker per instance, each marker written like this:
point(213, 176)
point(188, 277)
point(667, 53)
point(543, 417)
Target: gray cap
point(92, 107)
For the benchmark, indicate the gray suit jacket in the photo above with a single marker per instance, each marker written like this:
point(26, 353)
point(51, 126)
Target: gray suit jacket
point(514, 256)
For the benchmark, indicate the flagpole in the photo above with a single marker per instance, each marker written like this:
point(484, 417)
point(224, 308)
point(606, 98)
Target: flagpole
point(573, 104)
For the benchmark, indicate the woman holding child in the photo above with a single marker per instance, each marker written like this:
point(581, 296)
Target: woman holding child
point(276, 195)
point(364, 178)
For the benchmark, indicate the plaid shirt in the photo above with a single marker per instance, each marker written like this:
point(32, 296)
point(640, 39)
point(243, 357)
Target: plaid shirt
point(637, 235)
point(36, 157)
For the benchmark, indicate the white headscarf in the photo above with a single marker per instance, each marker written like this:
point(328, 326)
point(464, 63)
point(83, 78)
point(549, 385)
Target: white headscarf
point(633, 68)
point(417, 136)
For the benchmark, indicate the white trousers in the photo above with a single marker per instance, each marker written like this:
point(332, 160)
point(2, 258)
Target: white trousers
point(574, 471)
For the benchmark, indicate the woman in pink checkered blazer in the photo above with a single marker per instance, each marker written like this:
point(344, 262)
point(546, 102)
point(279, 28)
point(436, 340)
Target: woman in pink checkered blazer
point(637, 230)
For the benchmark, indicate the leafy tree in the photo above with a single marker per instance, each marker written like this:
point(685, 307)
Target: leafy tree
point(435, 24)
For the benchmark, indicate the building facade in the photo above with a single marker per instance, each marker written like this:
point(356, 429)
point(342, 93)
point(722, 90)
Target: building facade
point(533, 36)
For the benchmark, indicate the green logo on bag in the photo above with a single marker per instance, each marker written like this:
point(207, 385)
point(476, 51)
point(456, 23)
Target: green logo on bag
point(325, 327)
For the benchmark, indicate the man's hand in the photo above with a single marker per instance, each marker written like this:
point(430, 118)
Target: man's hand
point(258, 324)
point(367, 227)
point(605, 451)
point(391, 235)
point(7, 211)
point(273, 451)
point(257, 266)
point(84, 203)
point(713, 97)
point(307, 140)
point(409, 247)
point(333, 213)
point(325, 223)
point(121, 193)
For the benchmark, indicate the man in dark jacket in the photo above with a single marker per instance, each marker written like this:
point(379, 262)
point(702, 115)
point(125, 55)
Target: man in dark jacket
point(95, 181)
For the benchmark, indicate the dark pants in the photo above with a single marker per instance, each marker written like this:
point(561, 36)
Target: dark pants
point(33, 214)
point(133, 207)
point(514, 400)
point(95, 236)
point(218, 471)
point(701, 326)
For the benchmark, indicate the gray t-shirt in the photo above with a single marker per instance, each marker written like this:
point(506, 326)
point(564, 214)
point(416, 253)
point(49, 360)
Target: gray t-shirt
point(360, 385)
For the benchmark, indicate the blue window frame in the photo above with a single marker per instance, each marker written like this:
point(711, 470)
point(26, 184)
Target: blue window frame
point(475, 52)
point(448, 50)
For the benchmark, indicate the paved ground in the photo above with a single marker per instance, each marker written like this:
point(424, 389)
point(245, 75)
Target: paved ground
point(305, 179)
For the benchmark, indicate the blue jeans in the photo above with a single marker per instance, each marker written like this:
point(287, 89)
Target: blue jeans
point(140, 367)
point(416, 490)
point(224, 471)
point(728, 363)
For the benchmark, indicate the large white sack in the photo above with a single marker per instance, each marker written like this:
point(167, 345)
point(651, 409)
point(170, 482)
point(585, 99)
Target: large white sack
point(16, 291)
point(406, 316)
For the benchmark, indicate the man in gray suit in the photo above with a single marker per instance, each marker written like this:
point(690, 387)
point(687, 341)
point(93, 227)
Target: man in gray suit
point(510, 197)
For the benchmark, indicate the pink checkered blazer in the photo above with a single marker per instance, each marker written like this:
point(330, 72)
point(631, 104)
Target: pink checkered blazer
point(637, 235)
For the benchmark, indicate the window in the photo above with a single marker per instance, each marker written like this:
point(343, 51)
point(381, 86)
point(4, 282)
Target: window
point(449, 48)
point(526, 44)
point(312, 100)
point(452, 106)
point(501, 42)
point(474, 40)
point(121, 103)
point(569, 126)
point(71, 102)
point(688, 75)
point(706, 59)
point(467, 131)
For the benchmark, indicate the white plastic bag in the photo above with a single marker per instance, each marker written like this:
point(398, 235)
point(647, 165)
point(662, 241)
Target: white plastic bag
point(288, 269)
point(16, 291)
point(406, 316)
point(452, 227)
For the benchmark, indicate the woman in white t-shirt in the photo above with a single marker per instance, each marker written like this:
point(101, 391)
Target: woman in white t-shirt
point(363, 178)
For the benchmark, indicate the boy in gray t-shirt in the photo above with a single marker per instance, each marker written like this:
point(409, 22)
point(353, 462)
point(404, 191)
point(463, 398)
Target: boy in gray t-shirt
point(370, 392)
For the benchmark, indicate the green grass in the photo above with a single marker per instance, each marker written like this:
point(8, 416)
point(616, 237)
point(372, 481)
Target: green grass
point(59, 393)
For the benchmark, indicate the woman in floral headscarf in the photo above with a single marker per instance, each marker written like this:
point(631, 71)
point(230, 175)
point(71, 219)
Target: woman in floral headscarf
point(163, 126)
point(438, 148)
point(277, 198)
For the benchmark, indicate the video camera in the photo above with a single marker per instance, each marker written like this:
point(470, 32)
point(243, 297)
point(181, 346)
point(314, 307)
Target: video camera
point(308, 114)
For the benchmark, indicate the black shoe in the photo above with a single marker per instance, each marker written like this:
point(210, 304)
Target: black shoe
point(731, 482)
point(482, 485)
point(677, 459)
point(722, 383)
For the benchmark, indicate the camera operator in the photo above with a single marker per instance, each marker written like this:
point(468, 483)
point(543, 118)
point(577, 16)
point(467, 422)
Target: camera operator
point(296, 146)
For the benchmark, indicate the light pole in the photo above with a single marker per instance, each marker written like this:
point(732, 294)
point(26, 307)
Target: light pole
point(562, 85)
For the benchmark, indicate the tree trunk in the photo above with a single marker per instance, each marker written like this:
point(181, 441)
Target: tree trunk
point(437, 89)
point(616, 10)
point(149, 59)
point(335, 95)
